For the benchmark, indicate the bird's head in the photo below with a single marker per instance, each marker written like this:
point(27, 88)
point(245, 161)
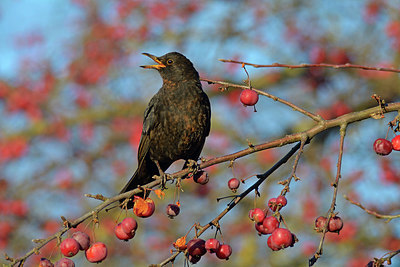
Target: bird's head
point(173, 67)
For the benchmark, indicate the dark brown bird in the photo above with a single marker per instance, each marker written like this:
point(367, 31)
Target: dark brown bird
point(176, 121)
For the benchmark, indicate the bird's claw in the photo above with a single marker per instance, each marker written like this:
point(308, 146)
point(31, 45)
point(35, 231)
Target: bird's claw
point(164, 178)
point(193, 166)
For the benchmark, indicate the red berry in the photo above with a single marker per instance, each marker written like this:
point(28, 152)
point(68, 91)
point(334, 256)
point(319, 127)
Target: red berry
point(248, 97)
point(320, 223)
point(151, 208)
point(212, 245)
point(281, 238)
point(143, 207)
point(172, 210)
point(396, 143)
point(281, 200)
point(261, 229)
point(270, 223)
point(64, 262)
point(272, 204)
point(69, 247)
point(97, 252)
point(335, 224)
point(272, 246)
point(121, 234)
point(201, 177)
point(129, 225)
point(233, 184)
point(196, 247)
point(224, 252)
point(267, 226)
point(257, 215)
point(83, 240)
point(45, 263)
point(382, 147)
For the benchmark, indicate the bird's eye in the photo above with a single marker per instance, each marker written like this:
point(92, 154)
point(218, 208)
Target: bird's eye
point(170, 61)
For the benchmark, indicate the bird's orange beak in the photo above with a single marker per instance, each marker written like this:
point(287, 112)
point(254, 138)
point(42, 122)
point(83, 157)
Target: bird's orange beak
point(157, 66)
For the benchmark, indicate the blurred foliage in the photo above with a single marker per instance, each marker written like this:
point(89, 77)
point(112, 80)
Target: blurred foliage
point(71, 108)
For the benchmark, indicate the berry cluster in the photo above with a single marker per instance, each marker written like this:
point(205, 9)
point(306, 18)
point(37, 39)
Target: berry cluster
point(335, 224)
point(279, 238)
point(97, 252)
point(143, 208)
point(384, 147)
point(197, 247)
point(69, 247)
point(126, 229)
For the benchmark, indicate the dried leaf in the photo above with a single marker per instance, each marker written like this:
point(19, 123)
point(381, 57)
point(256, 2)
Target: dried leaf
point(180, 243)
point(160, 194)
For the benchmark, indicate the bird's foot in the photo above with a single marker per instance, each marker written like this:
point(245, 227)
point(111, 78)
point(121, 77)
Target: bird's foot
point(193, 166)
point(163, 176)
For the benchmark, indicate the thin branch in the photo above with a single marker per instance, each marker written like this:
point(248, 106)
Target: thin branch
point(287, 182)
point(310, 133)
point(305, 65)
point(335, 185)
point(315, 117)
point(385, 258)
point(374, 213)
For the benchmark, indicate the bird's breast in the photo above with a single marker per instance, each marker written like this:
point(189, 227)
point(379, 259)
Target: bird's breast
point(184, 124)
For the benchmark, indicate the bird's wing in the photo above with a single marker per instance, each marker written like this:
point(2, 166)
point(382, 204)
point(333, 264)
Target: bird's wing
point(149, 123)
point(145, 168)
point(207, 132)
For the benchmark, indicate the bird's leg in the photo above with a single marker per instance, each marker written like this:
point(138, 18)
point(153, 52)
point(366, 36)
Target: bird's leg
point(163, 175)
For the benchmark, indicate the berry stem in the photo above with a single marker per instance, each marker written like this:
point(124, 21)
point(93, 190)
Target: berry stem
point(387, 132)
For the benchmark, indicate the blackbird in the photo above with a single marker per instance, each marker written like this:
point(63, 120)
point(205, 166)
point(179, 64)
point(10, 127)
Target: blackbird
point(176, 121)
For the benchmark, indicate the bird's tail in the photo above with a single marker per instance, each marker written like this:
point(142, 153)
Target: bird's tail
point(143, 175)
point(132, 183)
